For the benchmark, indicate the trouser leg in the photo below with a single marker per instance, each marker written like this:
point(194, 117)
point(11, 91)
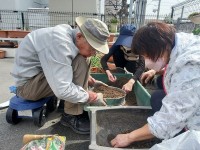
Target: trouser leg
point(158, 82)
point(80, 77)
point(35, 89)
point(156, 100)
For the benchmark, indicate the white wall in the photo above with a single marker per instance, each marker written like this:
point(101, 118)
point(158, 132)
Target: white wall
point(22, 4)
point(89, 6)
point(7, 4)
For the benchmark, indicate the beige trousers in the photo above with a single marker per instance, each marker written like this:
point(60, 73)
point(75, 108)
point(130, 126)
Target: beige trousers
point(38, 87)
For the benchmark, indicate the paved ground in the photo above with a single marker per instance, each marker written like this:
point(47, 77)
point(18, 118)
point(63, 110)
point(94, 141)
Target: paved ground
point(11, 135)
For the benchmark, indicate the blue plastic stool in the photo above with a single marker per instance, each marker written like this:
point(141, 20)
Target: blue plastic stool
point(21, 108)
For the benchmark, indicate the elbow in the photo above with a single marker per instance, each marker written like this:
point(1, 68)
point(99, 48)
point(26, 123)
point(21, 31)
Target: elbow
point(60, 95)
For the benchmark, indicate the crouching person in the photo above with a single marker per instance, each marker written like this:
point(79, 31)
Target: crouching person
point(54, 61)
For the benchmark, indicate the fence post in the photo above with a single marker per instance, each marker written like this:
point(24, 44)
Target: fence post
point(22, 15)
point(182, 12)
point(172, 14)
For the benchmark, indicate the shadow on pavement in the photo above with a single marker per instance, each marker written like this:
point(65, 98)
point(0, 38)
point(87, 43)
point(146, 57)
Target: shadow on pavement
point(12, 135)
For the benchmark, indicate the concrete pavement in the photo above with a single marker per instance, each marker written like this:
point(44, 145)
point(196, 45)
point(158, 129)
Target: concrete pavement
point(11, 135)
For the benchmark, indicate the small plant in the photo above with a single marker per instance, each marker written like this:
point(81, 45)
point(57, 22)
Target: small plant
point(168, 20)
point(96, 64)
point(95, 61)
point(114, 20)
point(196, 31)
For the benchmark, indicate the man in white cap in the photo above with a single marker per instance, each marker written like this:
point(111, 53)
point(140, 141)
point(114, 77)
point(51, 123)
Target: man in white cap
point(53, 61)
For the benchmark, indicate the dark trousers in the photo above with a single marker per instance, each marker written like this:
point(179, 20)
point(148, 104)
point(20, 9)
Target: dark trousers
point(158, 95)
point(156, 100)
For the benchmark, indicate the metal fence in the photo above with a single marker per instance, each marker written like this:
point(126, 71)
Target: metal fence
point(185, 25)
point(185, 8)
point(35, 19)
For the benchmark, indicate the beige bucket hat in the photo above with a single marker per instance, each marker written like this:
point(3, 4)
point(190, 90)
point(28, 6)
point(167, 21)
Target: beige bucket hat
point(96, 33)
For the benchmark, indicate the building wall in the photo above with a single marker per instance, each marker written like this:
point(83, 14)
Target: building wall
point(7, 4)
point(22, 4)
point(90, 6)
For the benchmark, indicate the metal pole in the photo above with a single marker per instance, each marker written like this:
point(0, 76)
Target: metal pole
point(22, 14)
point(182, 12)
point(130, 10)
point(99, 7)
point(158, 11)
point(172, 13)
point(72, 13)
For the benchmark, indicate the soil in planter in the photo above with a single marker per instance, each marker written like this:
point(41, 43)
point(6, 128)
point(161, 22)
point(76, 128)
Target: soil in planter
point(113, 122)
point(130, 97)
point(109, 92)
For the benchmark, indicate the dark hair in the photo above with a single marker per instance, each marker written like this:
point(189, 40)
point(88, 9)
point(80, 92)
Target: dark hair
point(153, 40)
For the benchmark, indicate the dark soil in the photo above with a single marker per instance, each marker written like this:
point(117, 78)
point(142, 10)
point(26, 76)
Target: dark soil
point(109, 92)
point(113, 122)
point(130, 97)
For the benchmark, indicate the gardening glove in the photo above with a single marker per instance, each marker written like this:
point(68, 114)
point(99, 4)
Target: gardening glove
point(100, 101)
point(99, 83)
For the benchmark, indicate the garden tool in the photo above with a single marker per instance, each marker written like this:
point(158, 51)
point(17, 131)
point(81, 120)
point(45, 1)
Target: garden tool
point(99, 83)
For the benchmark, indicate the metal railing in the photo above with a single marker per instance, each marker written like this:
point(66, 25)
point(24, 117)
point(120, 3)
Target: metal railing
point(35, 19)
point(185, 25)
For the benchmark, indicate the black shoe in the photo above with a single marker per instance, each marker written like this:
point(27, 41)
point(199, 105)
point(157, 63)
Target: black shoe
point(78, 123)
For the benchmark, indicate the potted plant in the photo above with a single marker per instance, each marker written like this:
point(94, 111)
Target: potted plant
point(113, 25)
point(2, 54)
point(96, 64)
point(195, 17)
point(196, 31)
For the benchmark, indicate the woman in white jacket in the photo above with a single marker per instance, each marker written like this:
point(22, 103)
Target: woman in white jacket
point(179, 53)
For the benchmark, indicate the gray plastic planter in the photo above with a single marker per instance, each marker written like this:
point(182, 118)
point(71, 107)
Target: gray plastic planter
point(114, 120)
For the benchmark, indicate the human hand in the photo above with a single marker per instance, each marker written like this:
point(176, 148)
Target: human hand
point(121, 140)
point(111, 77)
point(99, 101)
point(146, 76)
point(91, 81)
point(128, 86)
point(92, 96)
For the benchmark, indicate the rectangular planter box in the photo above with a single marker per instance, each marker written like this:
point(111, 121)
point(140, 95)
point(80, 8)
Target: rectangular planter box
point(13, 34)
point(107, 122)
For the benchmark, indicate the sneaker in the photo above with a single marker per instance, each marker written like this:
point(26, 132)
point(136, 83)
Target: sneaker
point(78, 123)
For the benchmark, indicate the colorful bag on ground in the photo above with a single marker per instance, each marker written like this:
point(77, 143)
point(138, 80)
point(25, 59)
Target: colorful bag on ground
point(43, 142)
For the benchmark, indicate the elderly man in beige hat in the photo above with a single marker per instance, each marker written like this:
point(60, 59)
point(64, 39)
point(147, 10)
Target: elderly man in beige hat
point(53, 61)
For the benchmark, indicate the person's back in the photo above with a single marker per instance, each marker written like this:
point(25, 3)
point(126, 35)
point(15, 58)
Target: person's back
point(39, 46)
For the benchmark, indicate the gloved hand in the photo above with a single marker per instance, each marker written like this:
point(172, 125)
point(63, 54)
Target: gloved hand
point(100, 101)
point(99, 83)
